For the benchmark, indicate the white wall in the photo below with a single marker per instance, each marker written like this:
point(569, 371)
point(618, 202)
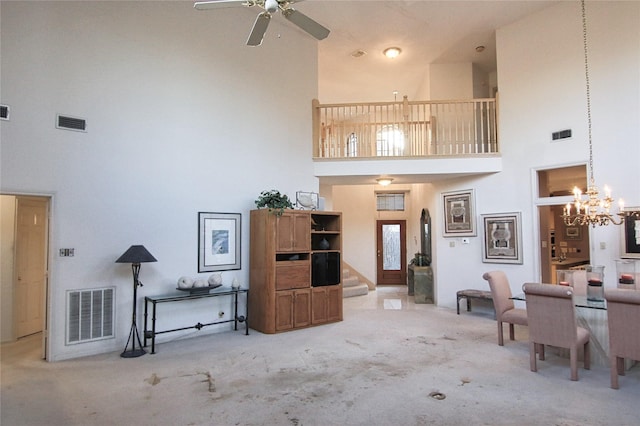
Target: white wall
point(182, 118)
point(451, 81)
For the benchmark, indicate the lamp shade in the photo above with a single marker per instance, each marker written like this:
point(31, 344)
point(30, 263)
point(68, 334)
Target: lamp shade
point(136, 254)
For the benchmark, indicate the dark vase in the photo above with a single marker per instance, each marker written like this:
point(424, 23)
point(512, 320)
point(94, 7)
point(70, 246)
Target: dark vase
point(324, 244)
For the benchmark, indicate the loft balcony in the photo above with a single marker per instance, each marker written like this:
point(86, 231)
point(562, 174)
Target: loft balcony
point(415, 141)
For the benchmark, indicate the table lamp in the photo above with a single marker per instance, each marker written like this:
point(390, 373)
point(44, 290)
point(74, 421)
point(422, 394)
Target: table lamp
point(135, 255)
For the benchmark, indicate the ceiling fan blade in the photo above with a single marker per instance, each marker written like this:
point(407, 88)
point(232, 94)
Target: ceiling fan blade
point(259, 28)
point(219, 4)
point(305, 23)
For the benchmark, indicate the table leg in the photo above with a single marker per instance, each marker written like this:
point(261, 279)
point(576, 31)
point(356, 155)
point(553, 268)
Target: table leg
point(146, 303)
point(235, 311)
point(153, 329)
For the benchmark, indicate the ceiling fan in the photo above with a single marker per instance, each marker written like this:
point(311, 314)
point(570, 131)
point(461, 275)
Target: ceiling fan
point(262, 21)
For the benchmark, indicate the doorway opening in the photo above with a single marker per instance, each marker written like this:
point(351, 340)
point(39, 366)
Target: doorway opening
point(24, 283)
point(561, 247)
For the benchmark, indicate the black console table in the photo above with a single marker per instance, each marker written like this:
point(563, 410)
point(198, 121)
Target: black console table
point(222, 291)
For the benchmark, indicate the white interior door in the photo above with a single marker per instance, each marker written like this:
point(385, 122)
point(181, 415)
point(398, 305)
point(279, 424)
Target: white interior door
point(30, 265)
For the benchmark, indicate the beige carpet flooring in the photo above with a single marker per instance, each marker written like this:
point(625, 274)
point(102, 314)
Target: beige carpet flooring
point(390, 362)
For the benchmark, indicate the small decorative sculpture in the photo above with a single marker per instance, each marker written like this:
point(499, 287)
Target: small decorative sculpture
point(185, 282)
point(307, 200)
point(215, 279)
point(235, 284)
point(200, 283)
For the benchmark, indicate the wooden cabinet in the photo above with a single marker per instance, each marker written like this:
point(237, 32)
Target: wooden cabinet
point(281, 269)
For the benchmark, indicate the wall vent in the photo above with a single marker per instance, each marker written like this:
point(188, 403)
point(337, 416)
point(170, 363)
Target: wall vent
point(4, 112)
point(71, 123)
point(562, 134)
point(90, 315)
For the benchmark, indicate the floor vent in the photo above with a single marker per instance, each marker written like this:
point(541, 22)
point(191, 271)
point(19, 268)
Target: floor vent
point(562, 134)
point(90, 315)
point(71, 123)
point(4, 112)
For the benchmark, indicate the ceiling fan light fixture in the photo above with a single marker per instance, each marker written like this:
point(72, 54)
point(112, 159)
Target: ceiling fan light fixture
point(271, 6)
point(392, 52)
point(384, 181)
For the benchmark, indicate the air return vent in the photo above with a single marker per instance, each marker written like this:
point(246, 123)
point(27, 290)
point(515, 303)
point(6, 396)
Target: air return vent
point(562, 134)
point(71, 123)
point(90, 315)
point(4, 112)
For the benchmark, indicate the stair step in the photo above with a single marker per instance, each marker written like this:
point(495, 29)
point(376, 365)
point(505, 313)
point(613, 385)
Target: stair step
point(356, 290)
point(350, 282)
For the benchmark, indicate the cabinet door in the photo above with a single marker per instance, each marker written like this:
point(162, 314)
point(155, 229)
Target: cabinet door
point(334, 303)
point(319, 305)
point(301, 232)
point(302, 308)
point(292, 274)
point(284, 232)
point(284, 310)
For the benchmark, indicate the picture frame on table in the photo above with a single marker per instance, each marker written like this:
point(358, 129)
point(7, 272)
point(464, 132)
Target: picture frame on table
point(631, 234)
point(502, 238)
point(219, 241)
point(459, 213)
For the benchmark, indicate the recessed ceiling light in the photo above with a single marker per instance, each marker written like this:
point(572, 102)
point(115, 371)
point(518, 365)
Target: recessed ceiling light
point(358, 53)
point(480, 49)
point(384, 181)
point(392, 52)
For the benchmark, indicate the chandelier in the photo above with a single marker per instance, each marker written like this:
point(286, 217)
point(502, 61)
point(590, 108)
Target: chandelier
point(593, 210)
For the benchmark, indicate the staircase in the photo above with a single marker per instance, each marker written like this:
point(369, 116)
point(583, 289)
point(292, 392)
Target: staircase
point(351, 285)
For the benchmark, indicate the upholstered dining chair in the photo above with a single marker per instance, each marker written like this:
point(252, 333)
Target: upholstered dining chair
point(504, 306)
point(552, 321)
point(623, 312)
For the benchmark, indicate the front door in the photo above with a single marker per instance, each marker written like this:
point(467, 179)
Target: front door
point(31, 264)
point(391, 252)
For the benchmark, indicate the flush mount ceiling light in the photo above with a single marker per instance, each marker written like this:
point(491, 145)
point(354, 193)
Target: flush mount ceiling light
point(392, 52)
point(384, 181)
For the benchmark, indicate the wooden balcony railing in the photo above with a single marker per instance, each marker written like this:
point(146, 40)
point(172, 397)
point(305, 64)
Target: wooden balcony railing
point(405, 129)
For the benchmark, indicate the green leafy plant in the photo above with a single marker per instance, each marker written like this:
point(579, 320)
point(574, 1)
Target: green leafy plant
point(274, 201)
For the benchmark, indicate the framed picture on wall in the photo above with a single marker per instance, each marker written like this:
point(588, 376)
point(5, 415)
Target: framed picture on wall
point(218, 241)
point(502, 238)
point(459, 213)
point(631, 234)
point(573, 233)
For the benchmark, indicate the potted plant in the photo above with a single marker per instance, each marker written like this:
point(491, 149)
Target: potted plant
point(274, 201)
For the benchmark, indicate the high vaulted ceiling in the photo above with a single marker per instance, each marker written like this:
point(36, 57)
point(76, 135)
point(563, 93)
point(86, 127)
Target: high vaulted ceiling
point(427, 32)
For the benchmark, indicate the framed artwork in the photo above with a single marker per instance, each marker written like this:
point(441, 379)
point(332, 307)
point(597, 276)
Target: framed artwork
point(459, 213)
point(631, 234)
point(573, 233)
point(502, 238)
point(218, 241)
